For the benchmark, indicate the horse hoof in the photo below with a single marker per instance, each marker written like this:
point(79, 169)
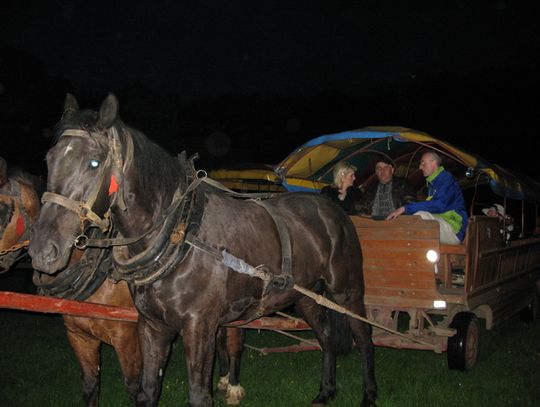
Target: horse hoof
point(234, 395)
point(368, 403)
point(223, 384)
point(322, 399)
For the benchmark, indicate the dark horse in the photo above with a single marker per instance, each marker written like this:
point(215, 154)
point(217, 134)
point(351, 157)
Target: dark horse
point(84, 278)
point(181, 242)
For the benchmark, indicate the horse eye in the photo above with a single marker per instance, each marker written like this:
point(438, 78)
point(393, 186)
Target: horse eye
point(94, 163)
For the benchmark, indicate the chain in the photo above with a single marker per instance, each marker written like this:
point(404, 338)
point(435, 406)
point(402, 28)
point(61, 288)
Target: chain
point(15, 247)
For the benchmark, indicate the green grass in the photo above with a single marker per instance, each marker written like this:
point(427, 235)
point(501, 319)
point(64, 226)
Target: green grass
point(38, 368)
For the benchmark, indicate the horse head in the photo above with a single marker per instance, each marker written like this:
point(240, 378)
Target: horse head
point(19, 207)
point(100, 171)
point(84, 178)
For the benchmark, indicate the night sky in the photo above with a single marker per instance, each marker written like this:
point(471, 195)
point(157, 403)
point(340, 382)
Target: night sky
point(246, 81)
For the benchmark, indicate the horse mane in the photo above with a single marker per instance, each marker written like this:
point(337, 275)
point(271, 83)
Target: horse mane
point(24, 177)
point(155, 166)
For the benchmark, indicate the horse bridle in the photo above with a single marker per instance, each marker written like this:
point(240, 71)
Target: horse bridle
point(113, 165)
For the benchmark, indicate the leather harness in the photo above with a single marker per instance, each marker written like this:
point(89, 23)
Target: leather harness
point(177, 229)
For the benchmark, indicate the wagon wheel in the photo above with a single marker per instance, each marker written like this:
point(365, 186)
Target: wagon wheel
point(532, 312)
point(462, 349)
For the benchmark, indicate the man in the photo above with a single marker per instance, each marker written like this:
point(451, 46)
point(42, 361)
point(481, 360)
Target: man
point(444, 203)
point(388, 194)
point(498, 211)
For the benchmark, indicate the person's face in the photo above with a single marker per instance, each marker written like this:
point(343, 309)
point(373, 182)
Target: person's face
point(384, 172)
point(493, 213)
point(428, 165)
point(348, 179)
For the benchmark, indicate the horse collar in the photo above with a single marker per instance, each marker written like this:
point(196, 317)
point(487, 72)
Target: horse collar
point(168, 248)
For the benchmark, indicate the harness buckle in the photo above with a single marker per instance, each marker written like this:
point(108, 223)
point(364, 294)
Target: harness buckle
point(281, 282)
point(81, 241)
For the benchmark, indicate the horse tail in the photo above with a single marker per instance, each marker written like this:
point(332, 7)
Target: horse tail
point(340, 339)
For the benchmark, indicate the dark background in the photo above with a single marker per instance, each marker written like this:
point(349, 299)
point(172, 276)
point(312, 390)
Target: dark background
point(249, 81)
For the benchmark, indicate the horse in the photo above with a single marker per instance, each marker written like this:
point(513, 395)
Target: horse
point(188, 250)
point(19, 207)
point(85, 278)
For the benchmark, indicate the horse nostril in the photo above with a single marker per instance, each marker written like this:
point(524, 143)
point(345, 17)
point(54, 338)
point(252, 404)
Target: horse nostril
point(45, 255)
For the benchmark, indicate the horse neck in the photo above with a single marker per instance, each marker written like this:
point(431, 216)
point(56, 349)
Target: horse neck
point(30, 201)
point(150, 182)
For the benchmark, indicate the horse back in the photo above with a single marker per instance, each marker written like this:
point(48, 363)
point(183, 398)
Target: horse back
point(324, 243)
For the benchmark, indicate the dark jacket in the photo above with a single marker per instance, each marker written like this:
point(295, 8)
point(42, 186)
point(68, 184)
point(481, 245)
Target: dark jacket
point(351, 199)
point(402, 193)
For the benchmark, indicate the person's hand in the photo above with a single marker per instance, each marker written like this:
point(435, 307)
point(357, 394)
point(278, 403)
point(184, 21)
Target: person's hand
point(396, 213)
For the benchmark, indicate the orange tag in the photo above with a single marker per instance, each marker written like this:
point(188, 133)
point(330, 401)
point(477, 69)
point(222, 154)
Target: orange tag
point(20, 226)
point(113, 187)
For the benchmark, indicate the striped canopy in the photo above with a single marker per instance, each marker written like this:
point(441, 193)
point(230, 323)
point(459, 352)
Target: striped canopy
point(310, 166)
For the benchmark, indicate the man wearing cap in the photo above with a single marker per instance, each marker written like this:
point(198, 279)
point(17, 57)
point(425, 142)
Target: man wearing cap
point(444, 203)
point(388, 194)
point(498, 211)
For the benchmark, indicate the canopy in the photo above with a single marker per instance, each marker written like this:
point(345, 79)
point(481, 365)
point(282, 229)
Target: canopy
point(310, 166)
point(249, 177)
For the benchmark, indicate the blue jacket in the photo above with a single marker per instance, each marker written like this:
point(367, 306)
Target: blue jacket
point(445, 199)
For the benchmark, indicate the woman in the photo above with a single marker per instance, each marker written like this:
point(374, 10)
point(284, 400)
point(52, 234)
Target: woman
point(343, 191)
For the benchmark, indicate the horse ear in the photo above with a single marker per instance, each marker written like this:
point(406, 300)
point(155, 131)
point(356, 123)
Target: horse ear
point(3, 171)
point(108, 111)
point(70, 104)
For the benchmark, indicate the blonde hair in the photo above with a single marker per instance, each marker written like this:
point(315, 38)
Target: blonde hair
point(340, 170)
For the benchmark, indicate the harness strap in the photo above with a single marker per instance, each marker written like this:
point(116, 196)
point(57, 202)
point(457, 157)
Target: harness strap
point(125, 241)
point(285, 279)
point(253, 195)
point(82, 209)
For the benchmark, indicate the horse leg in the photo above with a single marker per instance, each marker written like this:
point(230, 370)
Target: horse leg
point(199, 337)
point(86, 350)
point(129, 356)
point(320, 321)
point(229, 347)
point(155, 345)
point(361, 332)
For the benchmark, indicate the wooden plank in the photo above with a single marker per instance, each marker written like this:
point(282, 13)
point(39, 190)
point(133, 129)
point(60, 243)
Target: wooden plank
point(394, 262)
point(396, 234)
point(419, 245)
point(453, 249)
point(425, 284)
point(38, 303)
point(272, 323)
point(402, 293)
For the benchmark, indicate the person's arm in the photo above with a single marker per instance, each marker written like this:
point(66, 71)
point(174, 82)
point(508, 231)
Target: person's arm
point(442, 194)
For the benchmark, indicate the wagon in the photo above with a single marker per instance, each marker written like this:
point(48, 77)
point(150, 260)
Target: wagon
point(438, 303)
point(437, 295)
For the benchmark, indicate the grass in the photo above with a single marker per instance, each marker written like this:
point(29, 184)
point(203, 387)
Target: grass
point(37, 368)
